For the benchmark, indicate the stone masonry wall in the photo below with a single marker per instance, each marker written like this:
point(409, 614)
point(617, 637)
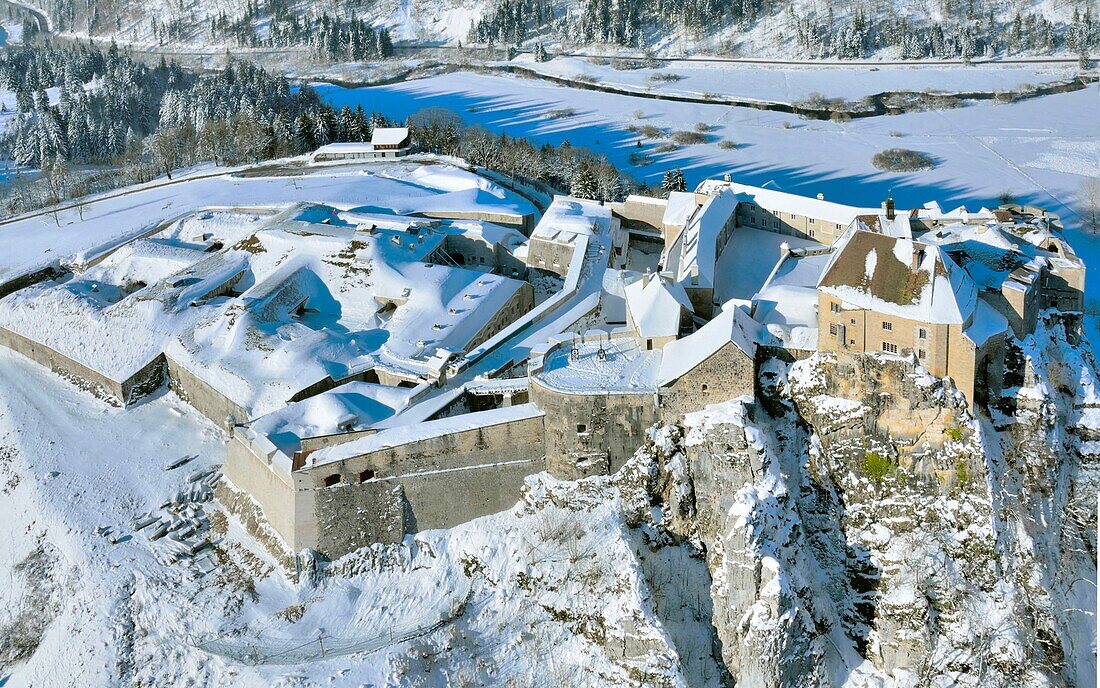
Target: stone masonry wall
point(592, 434)
point(729, 373)
point(206, 400)
point(441, 481)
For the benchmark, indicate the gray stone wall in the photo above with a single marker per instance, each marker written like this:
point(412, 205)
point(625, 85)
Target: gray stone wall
point(79, 374)
point(592, 434)
point(550, 255)
point(522, 301)
point(729, 373)
point(438, 482)
point(273, 492)
point(351, 516)
point(206, 400)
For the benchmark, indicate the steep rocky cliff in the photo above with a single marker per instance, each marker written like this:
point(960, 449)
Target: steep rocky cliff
point(863, 527)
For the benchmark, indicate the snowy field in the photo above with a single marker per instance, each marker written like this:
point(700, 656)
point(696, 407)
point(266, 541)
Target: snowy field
point(765, 83)
point(1039, 150)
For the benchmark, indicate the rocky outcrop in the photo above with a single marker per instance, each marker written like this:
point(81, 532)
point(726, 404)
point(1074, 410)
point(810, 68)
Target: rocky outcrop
point(862, 528)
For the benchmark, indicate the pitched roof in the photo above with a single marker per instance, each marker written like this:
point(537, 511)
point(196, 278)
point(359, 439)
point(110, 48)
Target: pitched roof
point(389, 136)
point(695, 245)
point(733, 324)
point(781, 201)
point(656, 306)
point(900, 277)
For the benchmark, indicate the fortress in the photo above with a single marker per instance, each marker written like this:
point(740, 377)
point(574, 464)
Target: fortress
point(382, 371)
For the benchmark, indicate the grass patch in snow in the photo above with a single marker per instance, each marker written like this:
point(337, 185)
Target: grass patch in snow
point(726, 144)
point(903, 160)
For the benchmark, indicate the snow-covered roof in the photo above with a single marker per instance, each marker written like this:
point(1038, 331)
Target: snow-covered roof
point(389, 136)
point(900, 277)
point(987, 323)
point(733, 324)
point(349, 407)
point(656, 304)
point(681, 204)
point(567, 218)
point(781, 201)
point(695, 248)
point(623, 367)
point(786, 305)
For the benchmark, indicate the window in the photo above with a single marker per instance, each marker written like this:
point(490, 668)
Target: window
point(649, 345)
point(812, 233)
point(705, 387)
point(853, 321)
point(581, 428)
point(833, 329)
point(811, 220)
point(887, 325)
point(834, 307)
point(922, 333)
point(890, 347)
point(920, 354)
point(366, 475)
point(331, 480)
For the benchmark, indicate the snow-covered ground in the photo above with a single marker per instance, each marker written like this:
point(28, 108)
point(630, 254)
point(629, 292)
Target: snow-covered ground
point(1040, 150)
point(768, 83)
point(559, 583)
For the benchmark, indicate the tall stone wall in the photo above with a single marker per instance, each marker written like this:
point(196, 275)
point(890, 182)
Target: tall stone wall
point(273, 491)
point(206, 400)
point(437, 482)
point(79, 374)
point(592, 434)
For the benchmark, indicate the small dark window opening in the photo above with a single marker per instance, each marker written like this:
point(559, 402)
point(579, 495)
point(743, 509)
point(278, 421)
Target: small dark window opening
point(366, 475)
point(581, 427)
point(705, 387)
point(331, 480)
point(649, 345)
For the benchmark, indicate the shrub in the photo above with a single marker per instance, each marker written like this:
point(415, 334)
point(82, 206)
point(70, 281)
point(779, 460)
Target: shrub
point(962, 472)
point(560, 113)
point(666, 148)
point(664, 77)
point(702, 127)
point(651, 132)
point(727, 145)
point(876, 466)
point(954, 432)
point(688, 138)
point(903, 160)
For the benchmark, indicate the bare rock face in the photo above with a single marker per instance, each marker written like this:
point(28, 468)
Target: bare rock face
point(863, 528)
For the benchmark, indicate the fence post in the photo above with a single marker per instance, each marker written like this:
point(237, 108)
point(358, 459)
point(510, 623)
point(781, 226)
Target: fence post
point(321, 640)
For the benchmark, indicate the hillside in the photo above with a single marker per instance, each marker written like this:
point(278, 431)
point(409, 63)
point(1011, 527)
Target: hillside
point(796, 29)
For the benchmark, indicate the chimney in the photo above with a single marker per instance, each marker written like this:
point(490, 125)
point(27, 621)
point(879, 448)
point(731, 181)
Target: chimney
point(918, 256)
point(890, 208)
point(821, 197)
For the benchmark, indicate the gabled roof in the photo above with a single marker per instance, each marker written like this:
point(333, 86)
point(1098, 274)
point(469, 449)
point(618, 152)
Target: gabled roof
point(733, 324)
point(781, 201)
point(900, 277)
point(656, 306)
point(695, 245)
point(389, 136)
point(681, 204)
